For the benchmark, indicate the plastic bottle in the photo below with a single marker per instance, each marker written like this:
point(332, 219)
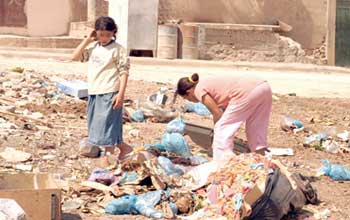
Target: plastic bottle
point(319, 137)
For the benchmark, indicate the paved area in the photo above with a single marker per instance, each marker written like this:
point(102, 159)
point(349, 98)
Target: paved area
point(304, 80)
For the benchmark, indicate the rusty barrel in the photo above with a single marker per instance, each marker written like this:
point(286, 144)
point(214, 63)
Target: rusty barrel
point(167, 42)
point(188, 41)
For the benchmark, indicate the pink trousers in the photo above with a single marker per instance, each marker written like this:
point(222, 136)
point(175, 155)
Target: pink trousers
point(255, 112)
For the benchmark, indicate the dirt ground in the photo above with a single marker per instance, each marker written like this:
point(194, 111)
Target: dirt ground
point(69, 127)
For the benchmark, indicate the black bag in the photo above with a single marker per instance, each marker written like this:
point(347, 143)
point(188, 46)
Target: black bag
point(279, 197)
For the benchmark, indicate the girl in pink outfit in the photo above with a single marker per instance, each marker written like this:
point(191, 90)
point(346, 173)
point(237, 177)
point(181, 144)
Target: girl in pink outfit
point(232, 101)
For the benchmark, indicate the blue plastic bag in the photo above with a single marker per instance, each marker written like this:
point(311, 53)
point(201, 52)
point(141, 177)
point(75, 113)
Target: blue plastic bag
point(335, 171)
point(176, 126)
point(128, 177)
point(170, 168)
point(198, 108)
point(159, 146)
point(176, 143)
point(122, 206)
point(138, 116)
point(174, 208)
point(145, 204)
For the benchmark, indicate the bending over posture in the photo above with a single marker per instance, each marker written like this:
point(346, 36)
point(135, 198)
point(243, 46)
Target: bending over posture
point(232, 101)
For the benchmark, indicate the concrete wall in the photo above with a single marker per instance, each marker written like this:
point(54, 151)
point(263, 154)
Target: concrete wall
point(308, 17)
point(48, 17)
point(79, 10)
point(43, 18)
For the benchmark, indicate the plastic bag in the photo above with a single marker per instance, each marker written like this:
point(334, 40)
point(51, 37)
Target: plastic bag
point(316, 140)
point(279, 198)
point(290, 124)
point(145, 204)
point(176, 126)
point(197, 107)
point(335, 171)
point(102, 176)
point(159, 146)
point(197, 160)
point(122, 206)
point(174, 208)
point(176, 143)
point(128, 177)
point(138, 116)
point(169, 167)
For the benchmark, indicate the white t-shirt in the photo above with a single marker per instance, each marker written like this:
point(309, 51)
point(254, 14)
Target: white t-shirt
point(105, 66)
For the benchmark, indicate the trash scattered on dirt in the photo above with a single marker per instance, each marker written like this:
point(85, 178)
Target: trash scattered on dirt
point(316, 140)
point(335, 171)
point(160, 98)
point(290, 124)
point(10, 210)
point(323, 215)
point(14, 156)
point(75, 88)
point(138, 116)
point(48, 125)
point(17, 69)
point(281, 151)
point(344, 136)
point(197, 107)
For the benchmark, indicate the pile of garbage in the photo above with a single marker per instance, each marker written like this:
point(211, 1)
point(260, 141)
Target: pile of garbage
point(165, 180)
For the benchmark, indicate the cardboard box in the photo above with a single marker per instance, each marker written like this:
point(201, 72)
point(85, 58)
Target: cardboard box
point(255, 193)
point(74, 88)
point(37, 194)
point(203, 136)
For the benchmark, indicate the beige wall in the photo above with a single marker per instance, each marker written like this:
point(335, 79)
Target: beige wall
point(48, 17)
point(44, 18)
point(308, 17)
point(79, 10)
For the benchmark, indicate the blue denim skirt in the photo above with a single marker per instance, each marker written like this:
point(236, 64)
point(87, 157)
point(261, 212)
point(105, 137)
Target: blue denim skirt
point(105, 125)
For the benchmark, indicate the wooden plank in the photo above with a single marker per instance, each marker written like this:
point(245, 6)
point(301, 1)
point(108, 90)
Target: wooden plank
point(246, 27)
point(331, 19)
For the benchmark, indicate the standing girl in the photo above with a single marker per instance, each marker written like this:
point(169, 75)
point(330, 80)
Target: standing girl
point(108, 70)
point(232, 101)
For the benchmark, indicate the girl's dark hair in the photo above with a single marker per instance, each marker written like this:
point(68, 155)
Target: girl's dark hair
point(187, 83)
point(106, 24)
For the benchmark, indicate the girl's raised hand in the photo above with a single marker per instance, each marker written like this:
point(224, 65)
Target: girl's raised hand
point(92, 36)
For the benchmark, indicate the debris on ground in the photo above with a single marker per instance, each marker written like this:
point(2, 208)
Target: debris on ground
point(197, 107)
point(37, 119)
point(14, 156)
point(10, 210)
point(290, 124)
point(335, 171)
point(75, 88)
